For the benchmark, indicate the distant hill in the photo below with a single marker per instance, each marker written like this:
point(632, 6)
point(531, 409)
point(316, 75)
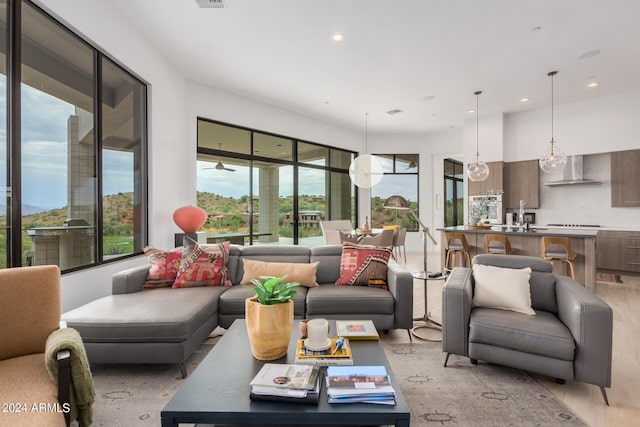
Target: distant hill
point(26, 209)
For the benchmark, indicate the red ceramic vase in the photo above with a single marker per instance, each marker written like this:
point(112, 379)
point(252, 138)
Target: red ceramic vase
point(189, 218)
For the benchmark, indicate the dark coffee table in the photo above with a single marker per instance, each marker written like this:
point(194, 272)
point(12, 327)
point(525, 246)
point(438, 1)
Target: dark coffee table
point(217, 392)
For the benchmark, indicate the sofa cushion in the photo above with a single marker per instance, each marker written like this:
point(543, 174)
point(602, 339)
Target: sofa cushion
point(542, 282)
point(327, 299)
point(543, 334)
point(232, 301)
point(362, 265)
point(203, 265)
point(502, 288)
point(303, 273)
point(329, 257)
point(164, 267)
point(158, 315)
point(273, 253)
point(25, 380)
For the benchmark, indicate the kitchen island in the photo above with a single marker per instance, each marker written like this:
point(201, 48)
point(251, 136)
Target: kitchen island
point(528, 243)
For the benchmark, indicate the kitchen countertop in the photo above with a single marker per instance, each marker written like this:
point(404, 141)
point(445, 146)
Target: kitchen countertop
point(585, 232)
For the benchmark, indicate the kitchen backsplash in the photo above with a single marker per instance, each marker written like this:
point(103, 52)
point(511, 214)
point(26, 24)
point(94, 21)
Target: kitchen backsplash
point(584, 204)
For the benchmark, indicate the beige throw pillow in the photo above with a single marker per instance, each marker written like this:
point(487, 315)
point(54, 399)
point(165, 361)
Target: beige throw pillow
point(305, 274)
point(502, 288)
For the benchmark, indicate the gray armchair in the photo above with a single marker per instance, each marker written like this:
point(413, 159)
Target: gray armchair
point(569, 338)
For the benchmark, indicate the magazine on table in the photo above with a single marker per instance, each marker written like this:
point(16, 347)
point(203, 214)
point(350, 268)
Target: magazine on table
point(368, 384)
point(286, 376)
point(307, 395)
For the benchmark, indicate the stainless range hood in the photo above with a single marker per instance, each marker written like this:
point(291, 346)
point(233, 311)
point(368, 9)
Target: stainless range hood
point(572, 174)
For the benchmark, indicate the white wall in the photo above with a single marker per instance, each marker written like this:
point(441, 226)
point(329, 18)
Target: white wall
point(169, 158)
point(596, 125)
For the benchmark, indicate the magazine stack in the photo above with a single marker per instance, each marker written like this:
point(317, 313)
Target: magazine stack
point(289, 383)
point(337, 353)
point(362, 384)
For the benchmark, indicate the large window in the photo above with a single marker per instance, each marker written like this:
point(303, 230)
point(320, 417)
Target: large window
point(74, 155)
point(263, 188)
point(400, 178)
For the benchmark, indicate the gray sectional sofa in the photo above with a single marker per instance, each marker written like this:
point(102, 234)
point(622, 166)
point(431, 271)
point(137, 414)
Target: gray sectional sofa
point(165, 325)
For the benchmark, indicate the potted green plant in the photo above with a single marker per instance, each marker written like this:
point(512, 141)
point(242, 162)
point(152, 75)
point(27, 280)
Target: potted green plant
point(269, 317)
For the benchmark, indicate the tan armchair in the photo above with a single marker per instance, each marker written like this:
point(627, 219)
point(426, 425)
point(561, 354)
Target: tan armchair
point(29, 313)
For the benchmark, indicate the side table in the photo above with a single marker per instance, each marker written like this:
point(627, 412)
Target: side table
point(434, 329)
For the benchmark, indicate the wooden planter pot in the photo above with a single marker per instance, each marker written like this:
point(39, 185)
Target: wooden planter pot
point(269, 328)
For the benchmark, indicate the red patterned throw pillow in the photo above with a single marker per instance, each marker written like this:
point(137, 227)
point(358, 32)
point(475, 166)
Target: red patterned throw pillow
point(364, 265)
point(164, 267)
point(203, 265)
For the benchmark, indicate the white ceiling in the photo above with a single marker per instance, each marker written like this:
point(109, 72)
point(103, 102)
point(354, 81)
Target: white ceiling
point(397, 52)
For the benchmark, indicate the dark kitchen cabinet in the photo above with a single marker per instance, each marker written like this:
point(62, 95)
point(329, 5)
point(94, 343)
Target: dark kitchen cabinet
point(522, 182)
point(625, 178)
point(493, 183)
point(618, 250)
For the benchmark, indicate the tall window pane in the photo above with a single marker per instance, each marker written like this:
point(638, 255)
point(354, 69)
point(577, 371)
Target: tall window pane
point(123, 133)
point(223, 191)
point(312, 204)
point(58, 151)
point(272, 203)
point(454, 193)
point(4, 202)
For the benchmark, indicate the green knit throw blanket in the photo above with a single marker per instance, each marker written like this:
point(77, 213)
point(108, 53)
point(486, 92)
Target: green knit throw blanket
point(82, 394)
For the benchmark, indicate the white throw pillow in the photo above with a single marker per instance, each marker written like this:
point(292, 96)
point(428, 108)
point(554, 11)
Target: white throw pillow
point(502, 288)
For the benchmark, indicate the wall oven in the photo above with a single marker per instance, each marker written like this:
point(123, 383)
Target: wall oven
point(488, 208)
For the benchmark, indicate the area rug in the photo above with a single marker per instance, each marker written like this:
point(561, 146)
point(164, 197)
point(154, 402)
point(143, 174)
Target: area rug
point(608, 277)
point(459, 395)
point(463, 394)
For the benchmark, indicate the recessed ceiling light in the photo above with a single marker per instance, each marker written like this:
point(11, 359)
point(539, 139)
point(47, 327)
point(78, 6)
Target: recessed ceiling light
point(524, 100)
point(593, 84)
point(471, 111)
point(589, 54)
point(428, 98)
point(337, 37)
point(394, 111)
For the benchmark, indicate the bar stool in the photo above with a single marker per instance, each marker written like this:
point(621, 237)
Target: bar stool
point(558, 249)
point(497, 244)
point(457, 242)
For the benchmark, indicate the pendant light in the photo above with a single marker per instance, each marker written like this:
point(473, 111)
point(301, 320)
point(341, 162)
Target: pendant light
point(478, 171)
point(553, 159)
point(365, 170)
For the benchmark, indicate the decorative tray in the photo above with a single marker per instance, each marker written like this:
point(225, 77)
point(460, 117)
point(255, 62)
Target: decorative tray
point(480, 227)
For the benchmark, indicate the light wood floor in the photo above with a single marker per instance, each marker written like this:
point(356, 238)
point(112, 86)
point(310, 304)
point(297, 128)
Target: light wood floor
point(583, 399)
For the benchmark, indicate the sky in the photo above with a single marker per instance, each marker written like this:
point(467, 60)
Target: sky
point(44, 151)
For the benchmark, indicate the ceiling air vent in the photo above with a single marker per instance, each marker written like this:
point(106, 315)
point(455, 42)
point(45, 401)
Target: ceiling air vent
point(211, 3)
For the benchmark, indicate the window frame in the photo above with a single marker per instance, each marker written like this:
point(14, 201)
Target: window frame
point(395, 172)
point(251, 157)
point(13, 141)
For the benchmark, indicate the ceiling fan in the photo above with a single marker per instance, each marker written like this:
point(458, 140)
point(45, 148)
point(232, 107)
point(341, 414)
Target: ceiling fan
point(219, 166)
